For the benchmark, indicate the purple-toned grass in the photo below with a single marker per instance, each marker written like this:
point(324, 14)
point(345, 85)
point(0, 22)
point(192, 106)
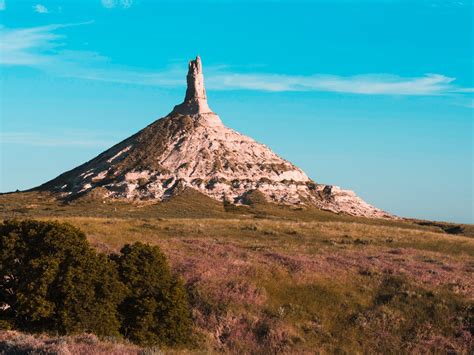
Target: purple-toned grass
point(261, 286)
point(22, 343)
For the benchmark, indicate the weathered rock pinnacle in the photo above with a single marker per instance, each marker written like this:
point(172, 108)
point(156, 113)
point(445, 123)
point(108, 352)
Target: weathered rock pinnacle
point(192, 148)
point(195, 101)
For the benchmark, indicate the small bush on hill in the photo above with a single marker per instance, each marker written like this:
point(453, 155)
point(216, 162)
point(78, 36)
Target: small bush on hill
point(52, 280)
point(156, 308)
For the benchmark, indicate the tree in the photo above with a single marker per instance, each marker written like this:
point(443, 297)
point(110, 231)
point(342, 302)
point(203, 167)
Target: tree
point(52, 280)
point(156, 308)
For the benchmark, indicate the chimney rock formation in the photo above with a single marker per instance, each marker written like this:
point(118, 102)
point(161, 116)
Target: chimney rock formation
point(191, 148)
point(195, 101)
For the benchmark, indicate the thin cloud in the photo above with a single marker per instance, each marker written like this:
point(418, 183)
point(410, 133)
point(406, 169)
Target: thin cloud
point(33, 46)
point(126, 3)
point(372, 84)
point(43, 140)
point(448, 3)
point(41, 9)
point(467, 90)
point(40, 47)
point(110, 4)
point(27, 46)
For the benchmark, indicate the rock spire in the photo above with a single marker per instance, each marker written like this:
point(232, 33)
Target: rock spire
point(195, 101)
point(192, 149)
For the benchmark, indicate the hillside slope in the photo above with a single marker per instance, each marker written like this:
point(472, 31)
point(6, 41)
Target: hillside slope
point(191, 148)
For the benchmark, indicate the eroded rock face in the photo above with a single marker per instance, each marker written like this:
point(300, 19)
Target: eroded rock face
point(195, 101)
point(191, 147)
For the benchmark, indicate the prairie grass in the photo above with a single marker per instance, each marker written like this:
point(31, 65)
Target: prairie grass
point(268, 279)
point(293, 286)
point(12, 342)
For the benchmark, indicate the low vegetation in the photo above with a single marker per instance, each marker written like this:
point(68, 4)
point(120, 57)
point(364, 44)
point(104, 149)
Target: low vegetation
point(264, 279)
point(52, 281)
point(16, 343)
point(155, 309)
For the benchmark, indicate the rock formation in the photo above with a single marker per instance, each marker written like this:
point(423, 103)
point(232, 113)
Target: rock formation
point(195, 101)
point(191, 148)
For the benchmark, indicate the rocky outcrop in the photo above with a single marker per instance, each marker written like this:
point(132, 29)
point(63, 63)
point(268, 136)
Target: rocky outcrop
point(335, 199)
point(195, 101)
point(191, 148)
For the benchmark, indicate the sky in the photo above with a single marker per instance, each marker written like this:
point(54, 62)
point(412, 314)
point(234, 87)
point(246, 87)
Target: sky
point(372, 96)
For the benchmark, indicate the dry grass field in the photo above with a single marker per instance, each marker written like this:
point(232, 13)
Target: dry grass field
point(267, 279)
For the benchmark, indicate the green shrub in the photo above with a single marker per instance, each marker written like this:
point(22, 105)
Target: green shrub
point(51, 280)
point(156, 309)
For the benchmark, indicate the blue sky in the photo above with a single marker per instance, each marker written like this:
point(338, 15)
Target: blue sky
point(373, 96)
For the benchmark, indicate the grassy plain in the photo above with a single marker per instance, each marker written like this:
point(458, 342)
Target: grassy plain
point(266, 279)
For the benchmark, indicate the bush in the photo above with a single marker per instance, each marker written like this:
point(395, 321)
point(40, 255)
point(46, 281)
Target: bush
point(156, 308)
point(51, 280)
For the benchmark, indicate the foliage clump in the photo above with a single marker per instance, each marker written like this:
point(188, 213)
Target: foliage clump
point(153, 293)
point(51, 280)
